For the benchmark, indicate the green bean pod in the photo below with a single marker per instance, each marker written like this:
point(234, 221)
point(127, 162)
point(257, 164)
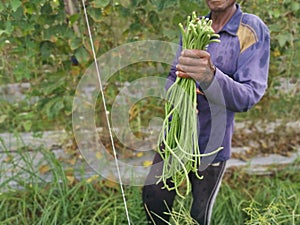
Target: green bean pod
point(178, 139)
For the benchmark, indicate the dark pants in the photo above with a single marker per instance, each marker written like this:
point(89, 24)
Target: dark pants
point(157, 200)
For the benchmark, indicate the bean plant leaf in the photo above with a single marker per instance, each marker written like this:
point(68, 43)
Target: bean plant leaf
point(15, 4)
point(46, 9)
point(295, 6)
point(38, 38)
point(125, 3)
point(3, 32)
point(46, 49)
point(188, 7)
point(154, 19)
point(282, 39)
point(8, 28)
point(73, 18)
point(30, 8)
point(1, 7)
point(3, 118)
point(276, 13)
point(100, 3)
point(96, 14)
point(75, 43)
point(82, 55)
point(169, 3)
point(163, 4)
point(53, 107)
point(138, 2)
point(159, 5)
point(27, 124)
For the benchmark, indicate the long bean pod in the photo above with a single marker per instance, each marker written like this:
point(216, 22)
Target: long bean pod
point(178, 139)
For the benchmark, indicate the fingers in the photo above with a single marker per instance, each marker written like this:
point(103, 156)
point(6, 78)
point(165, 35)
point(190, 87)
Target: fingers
point(193, 57)
point(182, 74)
point(195, 53)
point(188, 61)
point(199, 92)
point(193, 63)
point(190, 69)
point(186, 75)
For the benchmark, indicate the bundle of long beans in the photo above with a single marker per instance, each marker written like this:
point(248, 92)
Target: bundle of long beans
point(178, 140)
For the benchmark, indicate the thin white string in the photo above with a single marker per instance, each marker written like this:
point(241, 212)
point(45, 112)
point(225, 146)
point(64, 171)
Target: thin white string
point(105, 110)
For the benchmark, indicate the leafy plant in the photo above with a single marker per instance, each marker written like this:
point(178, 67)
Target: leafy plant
point(54, 194)
point(273, 213)
point(45, 43)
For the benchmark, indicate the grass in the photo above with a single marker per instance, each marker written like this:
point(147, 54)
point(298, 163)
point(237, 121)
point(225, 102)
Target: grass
point(61, 201)
point(243, 199)
point(256, 199)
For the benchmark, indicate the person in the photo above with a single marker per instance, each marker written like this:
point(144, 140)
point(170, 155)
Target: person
point(231, 74)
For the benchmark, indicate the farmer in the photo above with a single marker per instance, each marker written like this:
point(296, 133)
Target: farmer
point(231, 75)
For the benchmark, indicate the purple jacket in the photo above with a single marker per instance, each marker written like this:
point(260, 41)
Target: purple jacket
point(242, 64)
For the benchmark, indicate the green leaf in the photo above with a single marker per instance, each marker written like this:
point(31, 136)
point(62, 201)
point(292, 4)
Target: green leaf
point(46, 9)
point(3, 118)
point(159, 4)
point(27, 125)
point(275, 28)
point(138, 2)
point(177, 18)
point(124, 12)
point(276, 13)
point(56, 86)
point(172, 35)
point(170, 3)
point(164, 4)
point(154, 19)
point(3, 32)
point(73, 18)
point(1, 7)
point(188, 7)
point(30, 8)
point(282, 39)
point(82, 55)
point(125, 3)
point(46, 49)
point(75, 43)
point(15, 4)
point(95, 13)
point(295, 6)
point(22, 70)
point(100, 3)
point(57, 107)
point(53, 107)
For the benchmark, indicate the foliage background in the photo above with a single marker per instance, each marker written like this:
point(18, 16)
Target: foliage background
point(45, 43)
point(45, 51)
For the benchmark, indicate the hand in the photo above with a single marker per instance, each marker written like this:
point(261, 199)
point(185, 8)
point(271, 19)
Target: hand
point(196, 64)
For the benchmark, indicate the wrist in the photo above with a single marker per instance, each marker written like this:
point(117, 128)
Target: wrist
point(209, 79)
point(212, 68)
point(205, 84)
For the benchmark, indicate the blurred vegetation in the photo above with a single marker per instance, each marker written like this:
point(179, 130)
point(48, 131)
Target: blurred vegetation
point(45, 43)
point(243, 198)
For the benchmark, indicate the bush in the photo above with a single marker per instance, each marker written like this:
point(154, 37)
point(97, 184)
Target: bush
point(45, 43)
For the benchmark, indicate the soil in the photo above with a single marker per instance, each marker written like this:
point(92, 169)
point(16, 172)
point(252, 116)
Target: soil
point(273, 138)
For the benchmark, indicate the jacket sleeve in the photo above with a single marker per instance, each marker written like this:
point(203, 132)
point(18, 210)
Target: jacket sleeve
point(248, 84)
